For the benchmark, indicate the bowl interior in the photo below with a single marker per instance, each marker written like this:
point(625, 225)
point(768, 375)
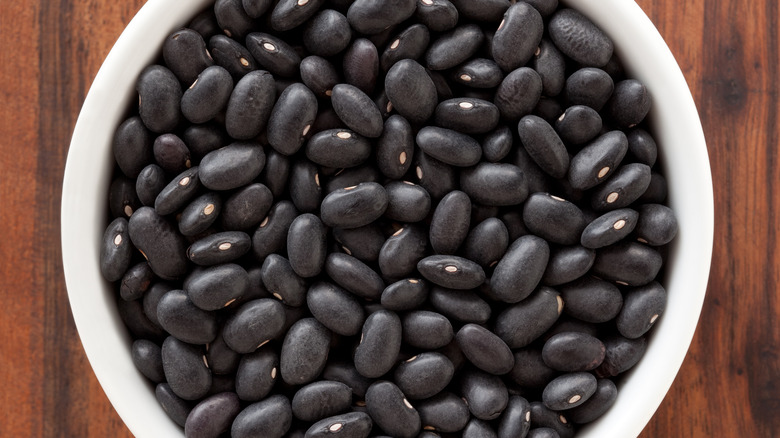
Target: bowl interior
point(675, 124)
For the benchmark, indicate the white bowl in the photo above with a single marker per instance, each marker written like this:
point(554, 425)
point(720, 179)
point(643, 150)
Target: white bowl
point(675, 124)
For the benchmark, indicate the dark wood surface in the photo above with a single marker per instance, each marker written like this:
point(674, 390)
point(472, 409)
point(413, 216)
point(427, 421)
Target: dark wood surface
point(729, 385)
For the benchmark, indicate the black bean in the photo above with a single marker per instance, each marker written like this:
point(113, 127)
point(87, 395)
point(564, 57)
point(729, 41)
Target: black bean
point(355, 206)
point(400, 254)
point(136, 281)
point(520, 269)
point(217, 286)
point(484, 349)
point(479, 183)
point(132, 147)
point(289, 14)
point(200, 214)
point(150, 182)
point(213, 416)
point(591, 299)
point(541, 416)
point(319, 75)
point(597, 160)
point(516, 419)
point(395, 147)
point(426, 330)
point(437, 15)
point(524, 322)
point(158, 241)
point(271, 235)
point(204, 138)
point(152, 298)
point(147, 357)
point(477, 428)
point(304, 186)
point(304, 352)
point(361, 65)
point(348, 425)
point(116, 250)
point(221, 359)
point(205, 23)
point(597, 404)
point(573, 351)
point(321, 399)
point(185, 369)
point(363, 243)
point(246, 207)
point(424, 375)
point(641, 308)
point(379, 345)
point(460, 305)
point(478, 73)
point(578, 124)
point(346, 373)
point(405, 294)
point(138, 324)
point(256, 8)
point(518, 36)
point(159, 97)
point(276, 173)
point(497, 144)
point(485, 394)
point(271, 418)
point(219, 248)
point(449, 146)
point(450, 222)
point(487, 242)
point(657, 224)
point(545, 7)
point(411, 91)
point(567, 264)
point(186, 55)
point(468, 116)
point(390, 410)
point(354, 276)
point(518, 93)
point(657, 190)
point(182, 319)
point(444, 413)
point(357, 111)
point(372, 16)
point(553, 218)
point(589, 86)
point(609, 228)
point(569, 390)
point(306, 245)
point(642, 146)
point(482, 10)
point(233, 19)
point(551, 66)
point(579, 39)
point(177, 408)
point(351, 177)
point(232, 166)
point(530, 371)
point(454, 47)
point(256, 374)
point(629, 263)
point(282, 282)
point(294, 112)
point(171, 153)
point(629, 104)
point(543, 432)
point(254, 324)
point(407, 202)
point(435, 176)
point(451, 271)
point(232, 56)
point(544, 145)
point(327, 33)
point(621, 355)
point(250, 104)
point(624, 187)
point(409, 44)
point(335, 308)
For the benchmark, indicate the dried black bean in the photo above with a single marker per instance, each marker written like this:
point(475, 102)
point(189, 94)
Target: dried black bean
point(271, 235)
point(335, 308)
point(136, 281)
point(589, 86)
point(371, 16)
point(354, 276)
point(217, 286)
point(579, 39)
point(271, 418)
point(213, 416)
point(450, 222)
point(327, 33)
point(232, 166)
point(116, 250)
point(208, 95)
point(411, 91)
point(185, 321)
point(567, 264)
point(250, 104)
point(379, 345)
point(232, 56)
point(132, 147)
point(138, 324)
point(609, 228)
point(424, 375)
point(484, 349)
point(171, 153)
point(306, 245)
point(477, 428)
point(401, 252)
point(361, 65)
point(177, 408)
point(530, 371)
point(294, 112)
point(159, 97)
point(348, 425)
point(355, 206)
point(205, 23)
point(276, 173)
point(304, 186)
point(152, 298)
point(150, 182)
point(448, 146)
point(204, 138)
point(518, 36)
point(460, 305)
point(544, 145)
point(543, 432)
point(578, 124)
point(551, 66)
point(452, 272)
point(485, 394)
point(524, 322)
point(147, 357)
point(642, 146)
point(657, 224)
point(516, 419)
point(591, 299)
point(569, 390)
point(444, 413)
point(573, 351)
point(357, 111)
point(657, 190)
point(480, 181)
point(629, 104)
point(185, 370)
point(256, 8)
point(468, 116)
point(346, 373)
point(200, 214)
point(541, 416)
point(256, 374)
point(454, 47)
point(482, 10)
point(319, 75)
point(435, 176)
point(520, 269)
point(351, 177)
point(597, 404)
point(597, 160)
point(363, 243)
point(219, 248)
point(621, 355)
point(282, 282)
point(409, 44)
point(246, 207)
point(254, 324)
point(304, 352)
point(221, 359)
point(641, 308)
point(321, 399)
point(289, 14)
point(554, 219)
point(233, 19)
point(628, 263)
point(158, 241)
point(395, 147)
point(487, 242)
point(426, 330)
point(478, 73)
point(518, 93)
point(407, 202)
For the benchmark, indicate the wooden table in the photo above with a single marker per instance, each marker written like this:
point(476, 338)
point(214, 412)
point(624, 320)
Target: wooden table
point(729, 385)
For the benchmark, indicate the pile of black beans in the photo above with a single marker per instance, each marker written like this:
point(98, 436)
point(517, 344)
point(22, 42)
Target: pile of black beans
point(406, 218)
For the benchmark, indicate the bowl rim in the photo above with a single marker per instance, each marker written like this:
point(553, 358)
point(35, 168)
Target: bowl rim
point(684, 157)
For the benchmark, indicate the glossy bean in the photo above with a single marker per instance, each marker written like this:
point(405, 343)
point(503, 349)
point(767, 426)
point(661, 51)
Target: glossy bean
point(629, 104)
point(579, 39)
point(518, 36)
point(116, 250)
point(567, 264)
point(160, 244)
point(254, 324)
point(524, 322)
point(424, 375)
point(171, 153)
point(289, 14)
point(355, 206)
point(478, 73)
point(357, 110)
point(213, 416)
point(484, 349)
point(327, 33)
point(569, 390)
point(185, 369)
point(147, 357)
point(150, 182)
point(591, 299)
point(597, 160)
point(136, 281)
point(177, 408)
point(232, 56)
point(271, 417)
point(642, 306)
point(460, 305)
point(271, 235)
point(132, 147)
point(159, 97)
point(451, 271)
point(518, 93)
point(411, 91)
point(304, 352)
point(657, 225)
point(589, 86)
point(371, 17)
point(454, 47)
point(597, 404)
point(485, 394)
point(621, 355)
point(348, 425)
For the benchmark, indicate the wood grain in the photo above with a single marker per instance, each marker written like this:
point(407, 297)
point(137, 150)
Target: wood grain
point(728, 51)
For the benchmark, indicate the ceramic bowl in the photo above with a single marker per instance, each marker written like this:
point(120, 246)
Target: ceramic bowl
point(675, 125)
